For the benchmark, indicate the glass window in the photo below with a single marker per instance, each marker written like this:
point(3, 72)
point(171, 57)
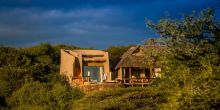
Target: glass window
point(93, 72)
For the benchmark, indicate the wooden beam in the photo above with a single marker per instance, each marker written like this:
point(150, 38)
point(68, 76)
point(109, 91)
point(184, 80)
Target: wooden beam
point(142, 82)
point(130, 74)
point(120, 73)
point(124, 75)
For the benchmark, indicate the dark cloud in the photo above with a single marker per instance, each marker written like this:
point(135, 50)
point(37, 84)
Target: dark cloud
point(90, 23)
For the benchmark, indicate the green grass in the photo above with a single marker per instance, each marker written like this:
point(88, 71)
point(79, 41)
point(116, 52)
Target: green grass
point(122, 98)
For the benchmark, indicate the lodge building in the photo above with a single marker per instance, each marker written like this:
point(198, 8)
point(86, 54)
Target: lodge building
point(138, 65)
point(83, 67)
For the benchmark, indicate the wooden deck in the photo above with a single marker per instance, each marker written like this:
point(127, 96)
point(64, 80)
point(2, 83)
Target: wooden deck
point(126, 81)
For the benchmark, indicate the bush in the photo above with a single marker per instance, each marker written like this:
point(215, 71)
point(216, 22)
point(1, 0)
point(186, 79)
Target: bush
point(38, 95)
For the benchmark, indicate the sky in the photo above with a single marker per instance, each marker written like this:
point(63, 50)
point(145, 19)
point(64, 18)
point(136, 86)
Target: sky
point(88, 23)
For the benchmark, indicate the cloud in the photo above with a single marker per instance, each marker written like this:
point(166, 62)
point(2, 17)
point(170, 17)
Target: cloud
point(95, 25)
point(88, 24)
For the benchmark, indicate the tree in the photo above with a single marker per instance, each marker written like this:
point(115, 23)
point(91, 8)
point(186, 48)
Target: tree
point(192, 62)
point(150, 41)
point(22, 68)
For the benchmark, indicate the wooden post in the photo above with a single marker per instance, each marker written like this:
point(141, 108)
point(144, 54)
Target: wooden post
point(124, 75)
point(131, 82)
point(142, 82)
point(130, 74)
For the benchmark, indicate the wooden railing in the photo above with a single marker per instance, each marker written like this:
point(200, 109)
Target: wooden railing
point(136, 81)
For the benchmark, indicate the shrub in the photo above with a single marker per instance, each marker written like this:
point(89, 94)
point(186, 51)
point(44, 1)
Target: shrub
point(123, 99)
point(38, 95)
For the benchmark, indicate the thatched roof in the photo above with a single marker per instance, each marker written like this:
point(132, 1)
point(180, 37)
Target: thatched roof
point(136, 56)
